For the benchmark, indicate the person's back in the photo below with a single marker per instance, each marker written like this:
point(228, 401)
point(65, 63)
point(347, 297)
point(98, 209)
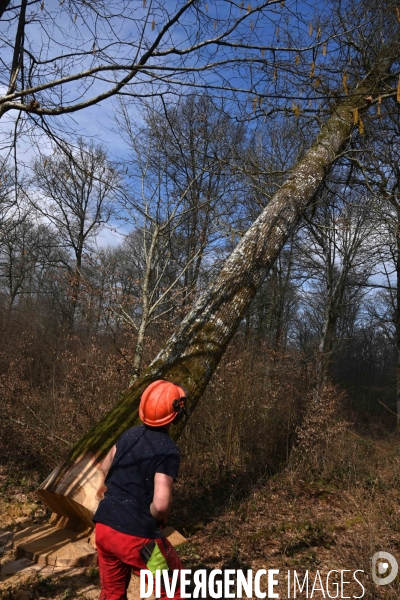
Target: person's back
point(141, 452)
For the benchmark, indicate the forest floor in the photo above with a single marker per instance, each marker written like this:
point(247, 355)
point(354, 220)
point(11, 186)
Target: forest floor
point(332, 516)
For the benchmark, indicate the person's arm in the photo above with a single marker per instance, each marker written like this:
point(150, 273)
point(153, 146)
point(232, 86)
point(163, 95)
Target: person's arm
point(162, 499)
point(107, 462)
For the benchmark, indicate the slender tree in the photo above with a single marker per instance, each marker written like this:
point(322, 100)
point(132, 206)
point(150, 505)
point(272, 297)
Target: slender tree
point(26, 250)
point(77, 191)
point(338, 257)
point(377, 169)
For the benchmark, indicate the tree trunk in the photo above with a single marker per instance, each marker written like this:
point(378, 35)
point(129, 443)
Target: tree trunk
point(76, 286)
point(325, 345)
point(397, 316)
point(144, 321)
point(192, 354)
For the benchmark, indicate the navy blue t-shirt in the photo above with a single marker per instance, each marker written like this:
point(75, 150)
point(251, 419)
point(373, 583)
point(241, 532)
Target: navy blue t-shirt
point(141, 453)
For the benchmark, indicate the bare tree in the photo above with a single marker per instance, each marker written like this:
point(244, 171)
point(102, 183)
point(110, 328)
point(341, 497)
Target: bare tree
point(10, 208)
point(147, 286)
point(337, 256)
point(77, 192)
point(200, 145)
point(377, 169)
point(27, 249)
point(180, 161)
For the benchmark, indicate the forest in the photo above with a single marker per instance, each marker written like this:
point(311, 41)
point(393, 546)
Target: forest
point(206, 192)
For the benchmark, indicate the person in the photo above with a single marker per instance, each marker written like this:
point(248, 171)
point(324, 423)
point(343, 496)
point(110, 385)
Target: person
point(140, 473)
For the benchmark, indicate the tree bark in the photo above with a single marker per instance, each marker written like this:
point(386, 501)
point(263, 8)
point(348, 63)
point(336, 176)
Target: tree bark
point(192, 354)
point(144, 321)
point(331, 314)
point(397, 316)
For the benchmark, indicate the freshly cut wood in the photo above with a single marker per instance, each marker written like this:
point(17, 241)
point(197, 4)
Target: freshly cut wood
point(173, 536)
point(194, 351)
point(77, 491)
point(50, 545)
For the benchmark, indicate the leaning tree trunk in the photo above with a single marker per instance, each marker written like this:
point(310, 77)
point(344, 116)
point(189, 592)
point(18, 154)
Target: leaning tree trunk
point(194, 351)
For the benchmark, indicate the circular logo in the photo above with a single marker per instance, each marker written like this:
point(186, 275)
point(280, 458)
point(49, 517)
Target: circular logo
point(381, 562)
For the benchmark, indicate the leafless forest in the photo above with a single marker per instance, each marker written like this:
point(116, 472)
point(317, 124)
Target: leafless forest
point(244, 191)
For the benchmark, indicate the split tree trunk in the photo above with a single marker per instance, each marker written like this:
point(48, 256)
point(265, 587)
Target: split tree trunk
point(194, 351)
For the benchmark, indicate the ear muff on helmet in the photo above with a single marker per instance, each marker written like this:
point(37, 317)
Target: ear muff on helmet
point(180, 407)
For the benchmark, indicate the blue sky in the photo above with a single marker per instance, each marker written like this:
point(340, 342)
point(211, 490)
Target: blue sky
point(96, 121)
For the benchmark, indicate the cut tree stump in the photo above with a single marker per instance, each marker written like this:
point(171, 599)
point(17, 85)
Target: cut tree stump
point(52, 546)
point(49, 545)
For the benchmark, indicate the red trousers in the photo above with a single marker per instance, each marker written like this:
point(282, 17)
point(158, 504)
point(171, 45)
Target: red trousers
point(118, 554)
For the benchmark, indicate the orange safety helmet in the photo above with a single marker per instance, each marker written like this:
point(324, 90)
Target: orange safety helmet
point(162, 402)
